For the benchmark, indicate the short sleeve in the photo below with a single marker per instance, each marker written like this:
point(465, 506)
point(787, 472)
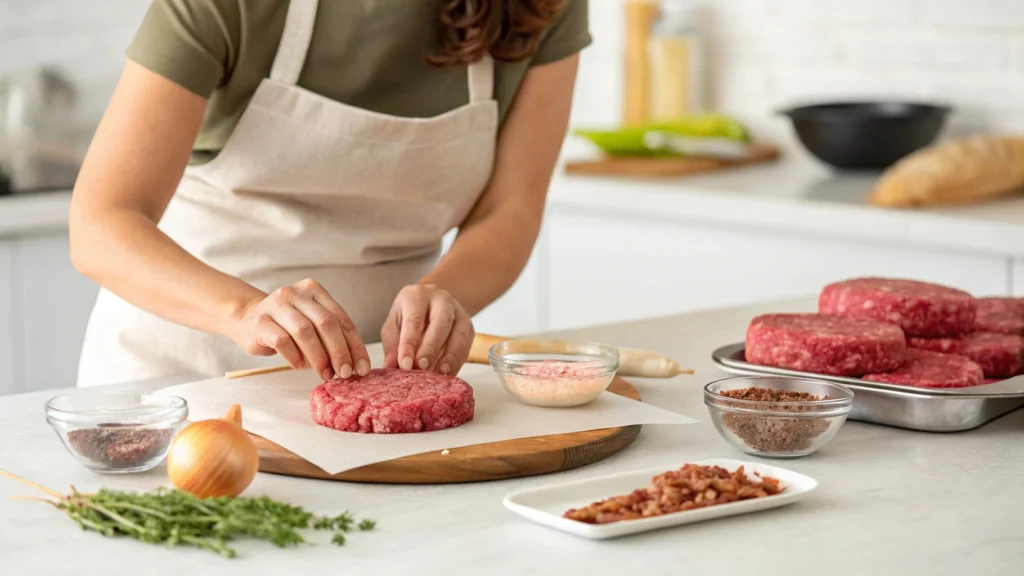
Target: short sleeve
point(190, 42)
point(569, 35)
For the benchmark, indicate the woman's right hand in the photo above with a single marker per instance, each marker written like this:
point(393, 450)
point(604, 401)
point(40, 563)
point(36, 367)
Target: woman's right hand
point(305, 326)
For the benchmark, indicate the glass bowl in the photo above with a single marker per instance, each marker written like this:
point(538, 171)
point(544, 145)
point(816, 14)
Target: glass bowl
point(117, 431)
point(778, 429)
point(554, 373)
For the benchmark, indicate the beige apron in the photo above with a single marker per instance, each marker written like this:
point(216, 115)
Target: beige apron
point(307, 187)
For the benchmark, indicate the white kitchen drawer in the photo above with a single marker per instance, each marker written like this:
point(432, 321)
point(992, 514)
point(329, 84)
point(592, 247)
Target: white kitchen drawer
point(52, 306)
point(609, 268)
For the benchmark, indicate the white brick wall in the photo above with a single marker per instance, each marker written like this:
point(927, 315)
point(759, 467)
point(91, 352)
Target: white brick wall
point(766, 54)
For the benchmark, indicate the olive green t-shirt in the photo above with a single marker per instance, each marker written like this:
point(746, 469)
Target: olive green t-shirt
point(364, 53)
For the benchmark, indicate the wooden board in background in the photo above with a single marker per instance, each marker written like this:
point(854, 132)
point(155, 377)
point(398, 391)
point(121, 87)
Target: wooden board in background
point(482, 462)
point(760, 152)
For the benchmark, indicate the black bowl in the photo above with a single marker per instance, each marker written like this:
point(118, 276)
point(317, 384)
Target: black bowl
point(866, 135)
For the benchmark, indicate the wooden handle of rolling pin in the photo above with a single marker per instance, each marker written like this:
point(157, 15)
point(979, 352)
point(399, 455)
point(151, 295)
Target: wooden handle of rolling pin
point(632, 362)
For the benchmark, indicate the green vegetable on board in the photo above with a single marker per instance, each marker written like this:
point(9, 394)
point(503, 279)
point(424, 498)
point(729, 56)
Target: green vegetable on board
point(173, 517)
point(629, 141)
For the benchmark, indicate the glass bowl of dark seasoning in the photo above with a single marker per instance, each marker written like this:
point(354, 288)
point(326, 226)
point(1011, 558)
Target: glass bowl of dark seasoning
point(777, 416)
point(117, 432)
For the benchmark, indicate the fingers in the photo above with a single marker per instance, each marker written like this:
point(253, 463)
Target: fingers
point(413, 322)
point(356, 350)
point(328, 329)
point(302, 331)
point(440, 320)
point(389, 337)
point(456, 349)
point(272, 337)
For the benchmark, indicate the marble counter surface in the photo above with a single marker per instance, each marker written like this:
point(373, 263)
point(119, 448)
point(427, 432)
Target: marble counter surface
point(889, 502)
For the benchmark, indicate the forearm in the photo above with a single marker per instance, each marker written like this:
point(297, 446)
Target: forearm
point(474, 271)
point(125, 252)
point(495, 241)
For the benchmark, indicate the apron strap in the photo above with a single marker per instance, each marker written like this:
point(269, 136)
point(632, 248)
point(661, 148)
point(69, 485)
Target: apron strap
point(481, 80)
point(298, 31)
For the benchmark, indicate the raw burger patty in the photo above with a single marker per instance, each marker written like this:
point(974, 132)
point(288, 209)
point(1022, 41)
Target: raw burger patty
point(392, 401)
point(924, 369)
point(999, 355)
point(1003, 315)
point(920, 308)
point(825, 344)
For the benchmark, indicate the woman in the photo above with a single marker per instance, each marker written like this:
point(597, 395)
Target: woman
point(275, 177)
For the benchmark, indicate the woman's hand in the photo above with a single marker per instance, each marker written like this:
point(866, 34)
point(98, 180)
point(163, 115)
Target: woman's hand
point(427, 328)
point(304, 325)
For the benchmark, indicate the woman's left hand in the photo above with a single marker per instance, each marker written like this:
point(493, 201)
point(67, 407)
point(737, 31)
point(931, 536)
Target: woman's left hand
point(427, 329)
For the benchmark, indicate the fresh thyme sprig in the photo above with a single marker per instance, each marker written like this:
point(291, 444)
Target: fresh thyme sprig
point(174, 517)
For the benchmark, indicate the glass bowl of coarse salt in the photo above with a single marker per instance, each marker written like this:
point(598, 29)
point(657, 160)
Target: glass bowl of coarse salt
point(554, 373)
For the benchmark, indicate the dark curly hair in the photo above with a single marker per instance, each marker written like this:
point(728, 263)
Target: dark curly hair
point(510, 30)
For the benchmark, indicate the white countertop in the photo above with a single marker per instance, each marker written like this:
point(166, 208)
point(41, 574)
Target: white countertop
point(38, 213)
point(889, 501)
point(793, 195)
point(798, 196)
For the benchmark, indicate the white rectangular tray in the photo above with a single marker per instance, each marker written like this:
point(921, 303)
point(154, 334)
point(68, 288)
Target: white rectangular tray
point(546, 505)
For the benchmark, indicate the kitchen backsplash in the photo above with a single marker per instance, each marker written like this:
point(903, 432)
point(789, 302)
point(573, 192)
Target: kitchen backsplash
point(763, 53)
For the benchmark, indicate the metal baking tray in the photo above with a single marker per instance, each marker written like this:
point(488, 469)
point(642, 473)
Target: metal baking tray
point(927, 410)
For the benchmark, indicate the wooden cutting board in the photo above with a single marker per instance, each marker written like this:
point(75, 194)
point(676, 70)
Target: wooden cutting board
point(494, 461)
point(760, 152)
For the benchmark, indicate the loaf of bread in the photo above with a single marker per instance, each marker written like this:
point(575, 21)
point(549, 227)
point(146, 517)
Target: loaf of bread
point(959, 171)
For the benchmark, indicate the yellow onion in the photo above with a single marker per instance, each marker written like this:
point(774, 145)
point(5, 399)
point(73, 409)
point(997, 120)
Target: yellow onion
point(213, 457)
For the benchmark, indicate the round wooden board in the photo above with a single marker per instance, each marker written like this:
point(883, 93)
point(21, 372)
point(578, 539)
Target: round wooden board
point(482, 462)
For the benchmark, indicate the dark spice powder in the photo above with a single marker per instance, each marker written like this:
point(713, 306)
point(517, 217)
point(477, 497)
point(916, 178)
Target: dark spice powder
point(118, 446)
point(771, 433)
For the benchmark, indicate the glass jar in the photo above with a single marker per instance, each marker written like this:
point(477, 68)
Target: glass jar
point(675, 50)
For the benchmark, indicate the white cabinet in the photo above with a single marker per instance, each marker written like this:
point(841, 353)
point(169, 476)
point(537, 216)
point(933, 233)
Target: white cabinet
point(606, 268)
point(52, 305)
point(519, 311)
point(8, 355)
point(1017, 278)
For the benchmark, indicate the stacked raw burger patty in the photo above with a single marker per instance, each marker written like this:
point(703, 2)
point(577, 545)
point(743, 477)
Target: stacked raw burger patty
point(392, 401)
point(924, 369)
point(951, 338)
point(825, 344)
point(1000, 315)
point(920, 308)
point(998, 355)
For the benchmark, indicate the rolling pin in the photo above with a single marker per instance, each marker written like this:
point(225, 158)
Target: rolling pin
point(632, 362)
point(641, 363)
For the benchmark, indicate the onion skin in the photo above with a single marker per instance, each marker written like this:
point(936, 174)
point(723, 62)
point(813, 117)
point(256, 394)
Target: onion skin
point(213, 457)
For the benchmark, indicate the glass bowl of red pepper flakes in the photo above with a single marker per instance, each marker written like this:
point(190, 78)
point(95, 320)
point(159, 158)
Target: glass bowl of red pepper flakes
point(117, 432)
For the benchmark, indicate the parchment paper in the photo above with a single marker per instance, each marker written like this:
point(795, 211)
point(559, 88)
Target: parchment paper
point(276, 407)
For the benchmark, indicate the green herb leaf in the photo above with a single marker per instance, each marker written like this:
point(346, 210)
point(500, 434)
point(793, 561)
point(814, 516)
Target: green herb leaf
point(176, 518)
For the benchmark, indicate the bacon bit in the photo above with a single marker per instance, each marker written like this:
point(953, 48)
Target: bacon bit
point(689, 487)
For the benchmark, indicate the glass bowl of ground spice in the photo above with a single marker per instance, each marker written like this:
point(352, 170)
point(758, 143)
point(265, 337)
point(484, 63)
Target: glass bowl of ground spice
point(115, 432)
point(554, 373)
point(776, 416)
